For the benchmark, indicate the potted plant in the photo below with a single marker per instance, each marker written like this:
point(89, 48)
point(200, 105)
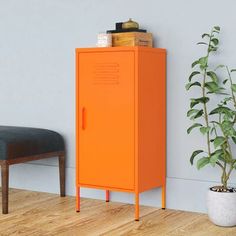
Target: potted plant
point(216, 121)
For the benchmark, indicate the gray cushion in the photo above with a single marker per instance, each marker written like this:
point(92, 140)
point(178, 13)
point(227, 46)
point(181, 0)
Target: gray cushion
point(23, 141)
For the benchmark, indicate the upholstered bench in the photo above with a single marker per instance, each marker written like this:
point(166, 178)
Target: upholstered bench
point(21, 144)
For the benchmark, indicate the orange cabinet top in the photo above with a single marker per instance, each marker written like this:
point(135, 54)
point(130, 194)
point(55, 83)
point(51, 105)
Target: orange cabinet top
point(126, 48)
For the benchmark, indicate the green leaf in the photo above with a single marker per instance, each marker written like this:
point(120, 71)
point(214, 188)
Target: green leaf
point(214, 159)
point(195, 112)
point(206, 35)
point(212, 87)
point(194, 154)
point(226, 157)
point(233, 87)
point(233, 70)
point(219, 154)
point(213, 76)
point(226, 125)
point(228, 116)
point(197, 115)
point(218, 141)
point(214, 122)
point(222, 110)
point(213, 129)
point(202, 162)
point(215, 156)
point(203, 62)
point(189, 85)
point(204, 130)
point(215, 41)
point(203, 99)
point(212, 48)
point(193, 74)
point(226, 100)
point(199, 43)
point(219, 66)
point(225, 81)
point(228, 128)
point(195, 101)
point(218, 92)
point(234, 139)
point(217, 28)
point(195, 63)
point(191, 112)
point(192, 127)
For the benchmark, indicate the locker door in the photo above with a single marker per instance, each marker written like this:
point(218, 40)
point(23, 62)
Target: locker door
point(106, 119)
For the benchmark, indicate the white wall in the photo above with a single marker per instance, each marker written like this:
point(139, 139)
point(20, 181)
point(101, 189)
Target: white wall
point(37, 85)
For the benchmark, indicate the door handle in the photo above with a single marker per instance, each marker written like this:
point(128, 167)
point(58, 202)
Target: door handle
point(83, 118)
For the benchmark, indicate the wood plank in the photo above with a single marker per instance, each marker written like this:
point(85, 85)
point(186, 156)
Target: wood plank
point(35, 213)
point(109, 217)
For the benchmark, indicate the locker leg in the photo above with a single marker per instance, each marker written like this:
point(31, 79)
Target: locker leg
point(107, 195)
point(137, 206)
point(163, 204)
point(78, 199)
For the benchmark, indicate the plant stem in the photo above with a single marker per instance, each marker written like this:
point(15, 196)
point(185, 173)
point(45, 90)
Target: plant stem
point(223, 177)
point(215, 129)
point(204, 94)
point(220, 165)
point(206, 114)
point(232, 92)
point(217, 163)
point(231, 83)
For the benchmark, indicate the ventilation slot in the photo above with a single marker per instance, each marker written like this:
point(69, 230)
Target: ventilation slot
point(106, 73)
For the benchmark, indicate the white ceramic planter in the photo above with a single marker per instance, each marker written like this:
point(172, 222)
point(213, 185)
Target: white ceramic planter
point(222, 208)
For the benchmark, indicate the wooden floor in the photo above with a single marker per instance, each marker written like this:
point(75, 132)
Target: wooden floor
point(34, 213)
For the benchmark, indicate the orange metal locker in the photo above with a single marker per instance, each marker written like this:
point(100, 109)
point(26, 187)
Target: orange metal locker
point(120, 120)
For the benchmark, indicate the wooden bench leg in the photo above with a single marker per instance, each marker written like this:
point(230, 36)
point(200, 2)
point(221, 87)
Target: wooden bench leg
point(5, 186)
point(62, 174)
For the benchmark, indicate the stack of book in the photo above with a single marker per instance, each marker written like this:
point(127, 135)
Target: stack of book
point(130, 36)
